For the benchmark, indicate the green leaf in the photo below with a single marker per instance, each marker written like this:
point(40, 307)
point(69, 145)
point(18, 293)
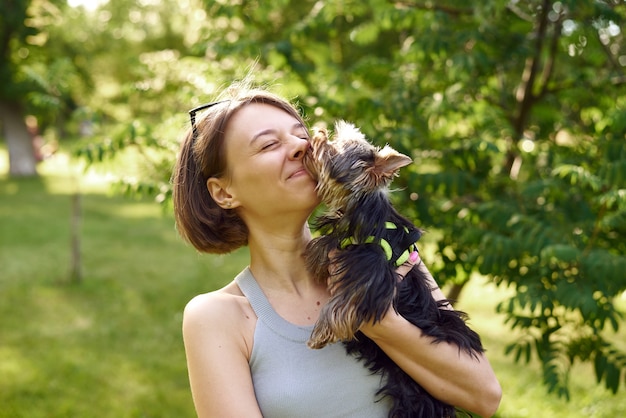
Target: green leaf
point(600, 365)
point(561, 252)
point(612, 377)
point(577, 175)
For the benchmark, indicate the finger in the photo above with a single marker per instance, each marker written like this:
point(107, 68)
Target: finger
point(402, 271)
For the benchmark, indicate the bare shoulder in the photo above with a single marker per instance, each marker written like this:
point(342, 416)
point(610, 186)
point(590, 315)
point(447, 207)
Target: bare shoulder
point(218, 332)
point(214, 303)
point(226, 312)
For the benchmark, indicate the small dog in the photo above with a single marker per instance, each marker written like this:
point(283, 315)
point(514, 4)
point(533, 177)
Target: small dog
point(363, 241)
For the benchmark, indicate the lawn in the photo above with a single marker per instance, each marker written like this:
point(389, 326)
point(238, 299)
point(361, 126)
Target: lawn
point(110, 345)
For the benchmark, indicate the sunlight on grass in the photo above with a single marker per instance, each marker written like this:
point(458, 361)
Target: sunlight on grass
point(77, 179)
point(140, 210)
point(15, 367)
point(4, 160)
point(64, 175)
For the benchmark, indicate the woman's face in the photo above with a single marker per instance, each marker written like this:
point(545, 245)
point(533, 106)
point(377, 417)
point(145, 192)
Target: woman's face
point(264, 149)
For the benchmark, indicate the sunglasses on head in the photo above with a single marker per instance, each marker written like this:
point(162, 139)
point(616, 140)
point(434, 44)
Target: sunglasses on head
point(192, 115)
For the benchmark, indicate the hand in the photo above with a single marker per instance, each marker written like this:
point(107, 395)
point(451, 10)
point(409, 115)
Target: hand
point(403, 270)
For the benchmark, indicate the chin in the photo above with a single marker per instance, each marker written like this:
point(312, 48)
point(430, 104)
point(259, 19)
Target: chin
point(312, 194)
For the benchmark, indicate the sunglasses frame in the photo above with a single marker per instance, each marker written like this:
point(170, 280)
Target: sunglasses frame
point(192, 115)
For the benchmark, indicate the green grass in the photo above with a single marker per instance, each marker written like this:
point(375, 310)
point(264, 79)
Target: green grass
point(110, 346)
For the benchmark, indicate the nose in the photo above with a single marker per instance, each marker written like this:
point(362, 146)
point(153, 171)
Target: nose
point(299, 149)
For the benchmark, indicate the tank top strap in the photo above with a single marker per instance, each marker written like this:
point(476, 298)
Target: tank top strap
point(264, 311)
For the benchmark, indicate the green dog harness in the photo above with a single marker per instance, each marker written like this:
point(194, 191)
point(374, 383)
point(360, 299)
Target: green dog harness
point(385, 245)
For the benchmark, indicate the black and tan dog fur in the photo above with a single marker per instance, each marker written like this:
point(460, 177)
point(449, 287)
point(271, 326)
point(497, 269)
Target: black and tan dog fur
point(358, 229)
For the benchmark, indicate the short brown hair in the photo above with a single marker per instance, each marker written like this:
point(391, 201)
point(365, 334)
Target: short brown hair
point(199, 220)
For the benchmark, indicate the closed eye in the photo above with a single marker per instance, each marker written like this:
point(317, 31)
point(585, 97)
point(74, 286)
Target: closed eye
point(269, 145)
point(301, 133)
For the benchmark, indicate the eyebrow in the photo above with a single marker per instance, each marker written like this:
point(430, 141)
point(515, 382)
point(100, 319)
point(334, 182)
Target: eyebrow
point(295, 126)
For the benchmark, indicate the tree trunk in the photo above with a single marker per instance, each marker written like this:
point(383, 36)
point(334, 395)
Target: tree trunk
point(454, 294)
point(22, 161)
point(75, 267)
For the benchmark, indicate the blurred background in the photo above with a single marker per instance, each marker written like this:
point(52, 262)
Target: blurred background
point(513, 110)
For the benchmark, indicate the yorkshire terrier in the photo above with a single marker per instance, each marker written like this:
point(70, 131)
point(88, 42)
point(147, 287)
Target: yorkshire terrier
point(363, 241)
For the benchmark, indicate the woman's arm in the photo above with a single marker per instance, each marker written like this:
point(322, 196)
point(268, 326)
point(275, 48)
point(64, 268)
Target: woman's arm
point(447, 373)
point(214, 332)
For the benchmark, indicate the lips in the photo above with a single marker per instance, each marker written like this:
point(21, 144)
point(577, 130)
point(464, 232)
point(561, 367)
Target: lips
point(298, 172)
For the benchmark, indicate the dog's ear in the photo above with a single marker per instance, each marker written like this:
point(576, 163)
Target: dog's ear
point(320, 145)
point(319, 140)
point(320, 134)
point(388, 161)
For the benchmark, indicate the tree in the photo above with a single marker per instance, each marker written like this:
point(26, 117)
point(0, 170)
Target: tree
point(13, 32)
point(35, 79)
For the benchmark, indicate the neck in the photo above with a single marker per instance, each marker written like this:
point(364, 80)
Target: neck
point(277, 256)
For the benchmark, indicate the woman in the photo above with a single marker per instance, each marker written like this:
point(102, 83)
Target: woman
point(240, 181)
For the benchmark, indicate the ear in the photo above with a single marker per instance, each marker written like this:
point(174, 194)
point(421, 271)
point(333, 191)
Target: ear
point(388, 161)
point(218, 190)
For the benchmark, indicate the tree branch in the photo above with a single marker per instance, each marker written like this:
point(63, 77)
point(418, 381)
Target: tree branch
point(4, 44)
point(524, 94)
point(433, 5)
point(548, 68)
point(519, 13)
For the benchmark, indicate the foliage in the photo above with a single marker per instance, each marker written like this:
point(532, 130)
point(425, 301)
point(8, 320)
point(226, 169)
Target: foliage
point(513, 110)
point(36, 68)
point(13, 30)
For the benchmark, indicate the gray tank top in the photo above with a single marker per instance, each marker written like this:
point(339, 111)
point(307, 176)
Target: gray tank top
point(293, 381)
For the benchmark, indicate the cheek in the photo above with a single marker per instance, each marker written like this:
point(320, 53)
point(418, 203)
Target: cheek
point(252, 183)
